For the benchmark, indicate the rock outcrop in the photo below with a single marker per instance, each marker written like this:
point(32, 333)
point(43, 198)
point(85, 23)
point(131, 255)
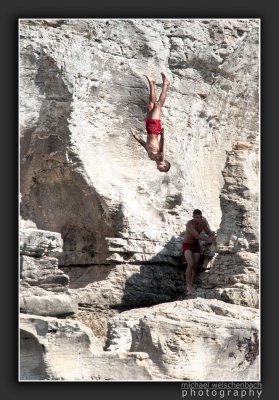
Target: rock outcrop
point(191, 339)
point(54, 349)
point(43, 286)
point(234, 269)
point(101, 227)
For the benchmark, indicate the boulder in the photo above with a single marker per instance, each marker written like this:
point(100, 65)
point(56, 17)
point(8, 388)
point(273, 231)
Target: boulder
point(65, 350)
point(194, 339)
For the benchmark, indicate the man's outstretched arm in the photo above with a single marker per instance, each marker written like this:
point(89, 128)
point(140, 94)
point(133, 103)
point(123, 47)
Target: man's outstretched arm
point(161, 145)
point(138, 139)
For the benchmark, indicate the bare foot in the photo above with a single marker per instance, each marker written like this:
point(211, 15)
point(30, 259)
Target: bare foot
point(191, 290)
point(150, 80)
point(165, 79)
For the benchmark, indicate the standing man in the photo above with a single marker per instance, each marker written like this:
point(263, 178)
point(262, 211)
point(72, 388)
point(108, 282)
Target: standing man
point(191, 246)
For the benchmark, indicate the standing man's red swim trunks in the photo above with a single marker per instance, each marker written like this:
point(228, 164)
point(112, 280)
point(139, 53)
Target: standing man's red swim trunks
point(194, 247)
point(153, 126)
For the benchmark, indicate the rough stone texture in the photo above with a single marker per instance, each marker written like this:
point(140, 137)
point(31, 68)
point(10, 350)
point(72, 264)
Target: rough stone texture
point(43, 273)
point(233, 278)
point(96, 318)
point(239, 229)
point(191, 339)
point(53, 349)
point(129, 250)
point(82, 87)
point(234, 269)
point(121, 220)
point(36, 243)
point(125, 285)
point(43, 286)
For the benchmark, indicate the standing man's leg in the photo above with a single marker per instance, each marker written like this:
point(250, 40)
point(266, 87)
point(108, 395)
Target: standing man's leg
point(189, 270)
point(196, 257)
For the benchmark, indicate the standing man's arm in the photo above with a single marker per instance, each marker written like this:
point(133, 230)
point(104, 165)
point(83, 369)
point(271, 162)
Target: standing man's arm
point(193, 232)
point(208, 230)
point(138, 139)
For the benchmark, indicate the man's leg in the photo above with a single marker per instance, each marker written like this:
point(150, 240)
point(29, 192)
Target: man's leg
point(163, 94)
point(159, 104)
point(188, 274)
point(196, 257)
point(152, 96)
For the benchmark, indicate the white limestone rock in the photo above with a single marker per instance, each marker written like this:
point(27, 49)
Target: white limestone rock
point(37, 242)
point(63, 350)
point(43, 272)
point(192, 339)
point(121, 220)
point(125, 285)
point(233, 278)
point(239, 228)
point(47, 304)
point(82, 88)
point(233, 272)
point(44, 288)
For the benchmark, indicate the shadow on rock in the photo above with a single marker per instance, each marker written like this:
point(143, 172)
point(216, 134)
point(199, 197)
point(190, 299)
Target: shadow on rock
point(160, 279)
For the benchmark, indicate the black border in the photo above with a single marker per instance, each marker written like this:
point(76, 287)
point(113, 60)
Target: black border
point(10, 12)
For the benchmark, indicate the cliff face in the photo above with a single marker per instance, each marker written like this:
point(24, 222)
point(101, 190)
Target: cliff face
point(121, 221)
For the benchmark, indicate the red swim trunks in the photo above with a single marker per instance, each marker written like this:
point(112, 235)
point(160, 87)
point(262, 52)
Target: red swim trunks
point(194, 247)
point(153, 126)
